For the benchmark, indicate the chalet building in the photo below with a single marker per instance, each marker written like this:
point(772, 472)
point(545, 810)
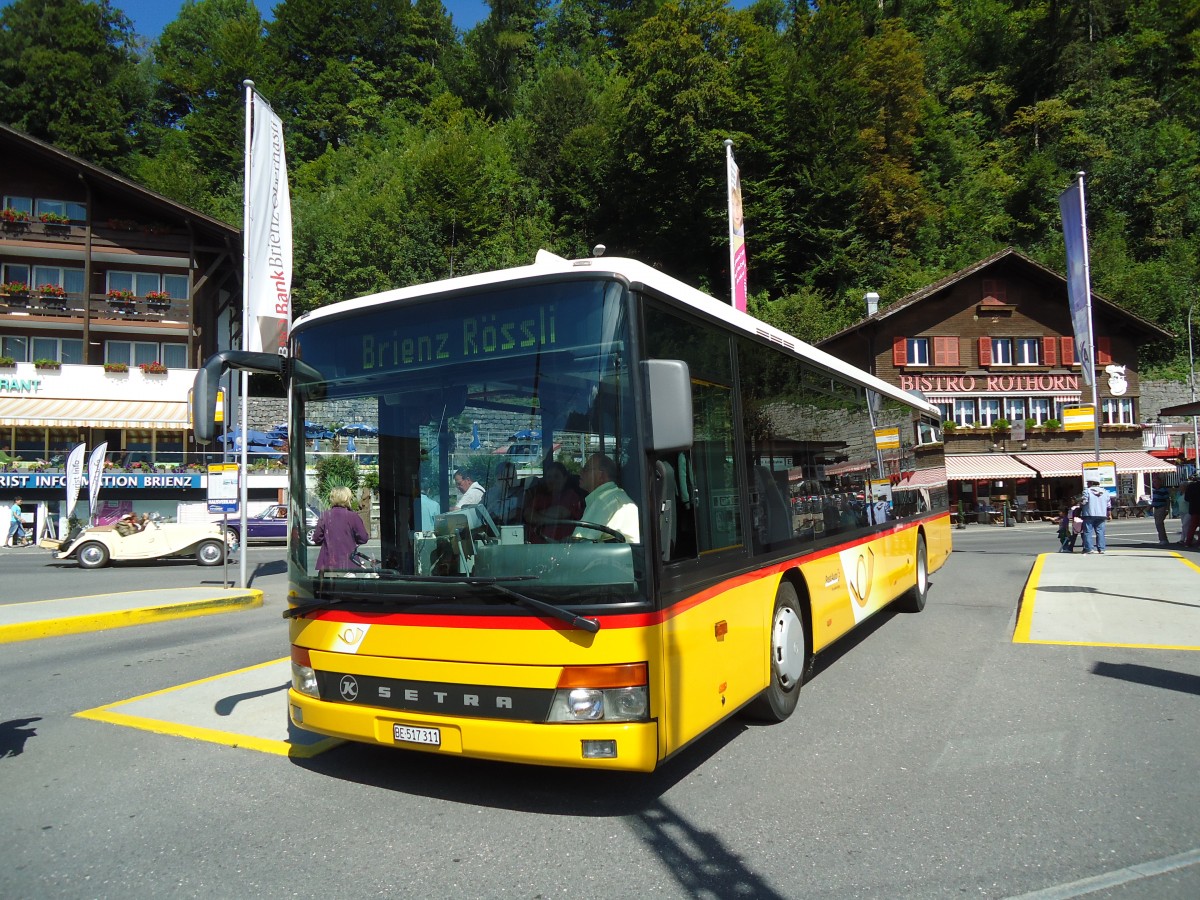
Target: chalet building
point(110, 297)
point(992, 345)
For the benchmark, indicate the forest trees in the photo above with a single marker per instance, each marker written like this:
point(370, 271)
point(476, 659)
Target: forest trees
point(881, 144)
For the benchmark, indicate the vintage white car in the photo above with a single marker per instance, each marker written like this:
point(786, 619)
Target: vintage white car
point(101, 544)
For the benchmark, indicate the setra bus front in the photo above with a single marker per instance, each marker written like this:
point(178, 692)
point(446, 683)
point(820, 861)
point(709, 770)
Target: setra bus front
point(518, 625)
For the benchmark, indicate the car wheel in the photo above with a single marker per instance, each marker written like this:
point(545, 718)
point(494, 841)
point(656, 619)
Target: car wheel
point(231, 536)
point(308, 535)
point(788, 659)
point(210, 553)
point(92, 555)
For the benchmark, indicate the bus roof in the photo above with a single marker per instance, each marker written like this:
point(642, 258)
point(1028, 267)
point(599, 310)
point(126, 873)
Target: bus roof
point(634, 273)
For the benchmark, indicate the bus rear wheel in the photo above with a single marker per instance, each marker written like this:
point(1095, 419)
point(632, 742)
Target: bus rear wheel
point(788, 659)
point(914, 600)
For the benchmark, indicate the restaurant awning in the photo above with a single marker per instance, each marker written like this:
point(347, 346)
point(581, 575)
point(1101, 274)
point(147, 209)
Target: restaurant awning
point(986, 467)
point(63, 413)
point(923, 478)
point(1182, 409)
point(1062, 465)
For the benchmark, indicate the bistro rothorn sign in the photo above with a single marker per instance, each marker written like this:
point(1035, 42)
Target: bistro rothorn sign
point(999, 384)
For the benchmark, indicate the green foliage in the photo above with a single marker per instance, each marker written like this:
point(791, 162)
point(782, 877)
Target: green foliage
point(336, 470)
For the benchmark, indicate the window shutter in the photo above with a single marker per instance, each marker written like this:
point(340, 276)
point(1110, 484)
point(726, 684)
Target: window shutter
point(1049, 351)
point(1068, 351)
point(1103, 351)
point(985, 351)
point(945, 351)
point(899, 351)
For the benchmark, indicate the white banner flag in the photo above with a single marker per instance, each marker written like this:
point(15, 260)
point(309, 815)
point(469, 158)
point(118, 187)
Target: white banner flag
point(737, 231)
point(95, 474)
point(268, 234)
point(74, 476)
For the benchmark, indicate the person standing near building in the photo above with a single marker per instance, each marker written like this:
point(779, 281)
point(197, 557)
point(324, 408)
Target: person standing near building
point(1160, 504)
point(1095, 508)
point(1191, 501)
point(339, 532)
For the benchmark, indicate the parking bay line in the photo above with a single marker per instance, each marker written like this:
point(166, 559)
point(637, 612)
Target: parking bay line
point(236, 709)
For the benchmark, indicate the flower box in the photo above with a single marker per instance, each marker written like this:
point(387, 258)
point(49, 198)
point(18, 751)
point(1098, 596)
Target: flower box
point(158, 297)
point(153, 368)
point(51, 364)
point(54, 219)
point(116, 367)
point(7, 362)
point(120, 296)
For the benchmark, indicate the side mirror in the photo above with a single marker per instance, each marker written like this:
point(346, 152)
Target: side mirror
point(208, 380)
point(669, 402)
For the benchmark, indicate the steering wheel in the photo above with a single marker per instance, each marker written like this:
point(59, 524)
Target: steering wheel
point(578, 523)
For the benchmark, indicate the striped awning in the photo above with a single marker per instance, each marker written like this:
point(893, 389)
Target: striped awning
point(847, 468)
point(923, 478)
point(62, 413)
point(985, 467)
point(1063, 465)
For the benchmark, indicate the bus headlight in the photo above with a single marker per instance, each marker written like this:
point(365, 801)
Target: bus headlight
point(601, 694)
point(304, 679)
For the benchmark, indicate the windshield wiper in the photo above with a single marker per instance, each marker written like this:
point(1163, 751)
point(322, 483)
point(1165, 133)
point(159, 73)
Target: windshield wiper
point(589, 625)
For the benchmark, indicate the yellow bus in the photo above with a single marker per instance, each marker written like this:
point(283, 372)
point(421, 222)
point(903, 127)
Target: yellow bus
point(717, 503)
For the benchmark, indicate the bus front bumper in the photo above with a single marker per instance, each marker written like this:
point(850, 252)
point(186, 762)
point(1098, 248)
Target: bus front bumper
point(635, 744)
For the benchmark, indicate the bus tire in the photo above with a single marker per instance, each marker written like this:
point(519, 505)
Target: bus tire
point(788, 659)
point(914, 600)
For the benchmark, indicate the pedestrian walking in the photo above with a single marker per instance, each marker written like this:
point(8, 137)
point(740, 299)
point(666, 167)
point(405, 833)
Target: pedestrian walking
point(339, 532)
point(1094, 509)
point(1160, 505)
point(16, 527)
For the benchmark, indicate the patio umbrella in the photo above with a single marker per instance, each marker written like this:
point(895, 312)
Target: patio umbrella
point(361, 429)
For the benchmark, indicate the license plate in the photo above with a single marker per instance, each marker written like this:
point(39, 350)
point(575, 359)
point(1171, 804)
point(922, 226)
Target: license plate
point(408, 735)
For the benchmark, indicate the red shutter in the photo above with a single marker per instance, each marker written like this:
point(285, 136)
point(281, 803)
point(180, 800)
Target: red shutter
point(945, 351)
point(1103, 351)
point(899, 351)
point(985, 351)
point(1049, 351)
point(1068, 351)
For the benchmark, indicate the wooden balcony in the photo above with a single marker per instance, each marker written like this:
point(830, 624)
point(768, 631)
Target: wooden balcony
point(33, 308)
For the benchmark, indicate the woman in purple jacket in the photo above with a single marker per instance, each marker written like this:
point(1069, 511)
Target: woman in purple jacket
point(339, 532)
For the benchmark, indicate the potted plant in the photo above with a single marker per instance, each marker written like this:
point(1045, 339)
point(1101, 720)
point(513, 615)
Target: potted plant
point(116, 367)
point(120, 300)
point(52, 364)
point(153, 368)
point(1031, 424)
point(949, 425)
point(14, 218)
point(7, 362)
point(54, 218)
point(54, 294)
point(15, 293)
point(1052, 424)
point(1001, 425)
point(158, 300)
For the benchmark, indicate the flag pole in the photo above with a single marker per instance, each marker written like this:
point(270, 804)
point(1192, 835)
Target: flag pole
point(244, 458)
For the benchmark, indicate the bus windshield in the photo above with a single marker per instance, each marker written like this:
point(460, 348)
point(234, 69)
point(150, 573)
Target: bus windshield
point(490, 438)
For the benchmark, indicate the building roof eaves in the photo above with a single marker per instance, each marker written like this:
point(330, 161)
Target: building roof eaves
point(113, 180)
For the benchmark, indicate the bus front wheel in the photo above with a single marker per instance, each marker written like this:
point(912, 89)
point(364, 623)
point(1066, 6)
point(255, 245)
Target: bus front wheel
point(788, 659)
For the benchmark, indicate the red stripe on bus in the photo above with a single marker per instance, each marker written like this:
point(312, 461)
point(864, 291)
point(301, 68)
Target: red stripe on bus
point(612, 620)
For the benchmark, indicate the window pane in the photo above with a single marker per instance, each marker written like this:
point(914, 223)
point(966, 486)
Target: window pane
point(120, 281)
point(964, 412)
point(16, 347)
point(918, 351)
point(72, 351)
point(45, 348)
point(76, 211)
point(176, 286)
point(1039, 408)
point(13, 272)
point(1027, 351)
point(989, 411)
point(117, 352)
point(24, 204)
point(73, 280)
point(47, 275)
point(1014, 409)
point(174, 356)
point(57, 207)
point(1001, 352)
point(143, 282)
point(144, 353)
